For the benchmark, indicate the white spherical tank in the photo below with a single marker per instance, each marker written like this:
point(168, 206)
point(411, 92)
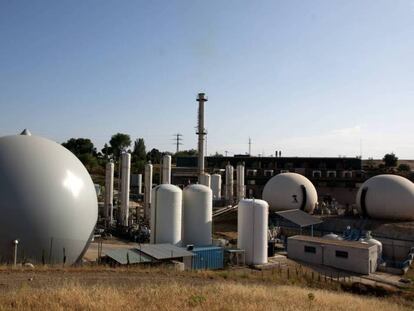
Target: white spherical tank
point(48, 201)
point(216, 186)
point(386, 197)
point(290, 191)
point(166, 214)
point(197, 215)
point(252, 227)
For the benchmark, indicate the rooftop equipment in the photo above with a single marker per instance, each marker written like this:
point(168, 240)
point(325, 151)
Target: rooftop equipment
point(49, 199)
point(290, 191)
point(148, 190)
point(166, 214)
point(125, 183)
point(252, 225)
point(109, 192)
point(197, 215)
point(386, 197)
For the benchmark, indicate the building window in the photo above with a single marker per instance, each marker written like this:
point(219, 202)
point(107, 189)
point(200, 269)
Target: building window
point(341, 254)
point(310, 249)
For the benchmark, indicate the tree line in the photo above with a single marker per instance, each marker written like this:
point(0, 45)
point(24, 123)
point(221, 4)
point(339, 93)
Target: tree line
point(95, 160)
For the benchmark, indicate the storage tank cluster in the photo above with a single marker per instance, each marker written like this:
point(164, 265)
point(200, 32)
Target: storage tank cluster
point(386, 197)
point(182, 217)
point(48, 201)
point(288, 191)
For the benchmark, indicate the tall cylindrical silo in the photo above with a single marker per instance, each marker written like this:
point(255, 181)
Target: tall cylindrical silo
point(125, 183)
point(240, 182)
point(109, 192)
point(252, 226)
point(166, 169)
point(197, 215)
point(205, 179)
point(148, 190)
point(166, 214)
point(229, 183)
point(216, 186)
point(139, 183)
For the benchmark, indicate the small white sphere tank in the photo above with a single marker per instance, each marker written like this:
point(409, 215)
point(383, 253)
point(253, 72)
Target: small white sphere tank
point(197, 215)
point(166, 214)
point(252, 227)
point(216, 186)
point(387, 197)
point(47, 201)
point(290, 191)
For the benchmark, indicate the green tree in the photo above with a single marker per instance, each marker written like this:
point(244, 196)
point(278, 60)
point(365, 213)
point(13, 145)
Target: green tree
point(119, 142)
point(186, 153)
point(390, 160)
point(139, 151)
point(107, 151)
point(80, 146)
point(403, 168)
point(154, 156)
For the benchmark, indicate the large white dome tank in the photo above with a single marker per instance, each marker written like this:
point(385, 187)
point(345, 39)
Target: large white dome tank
point(290, 191)
point(47, 201)
point(387, 197)
point(252, 227)
point(197, 215)
point(166, 214)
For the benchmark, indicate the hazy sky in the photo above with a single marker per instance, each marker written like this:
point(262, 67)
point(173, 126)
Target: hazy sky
point(310, 78)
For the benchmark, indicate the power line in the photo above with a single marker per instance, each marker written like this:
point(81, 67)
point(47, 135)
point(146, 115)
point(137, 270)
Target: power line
point(178, 141)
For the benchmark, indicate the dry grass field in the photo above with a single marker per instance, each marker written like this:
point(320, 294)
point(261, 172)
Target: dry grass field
point(161, 289)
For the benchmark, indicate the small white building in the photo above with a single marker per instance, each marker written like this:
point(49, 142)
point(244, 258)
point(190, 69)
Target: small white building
point(345, 255)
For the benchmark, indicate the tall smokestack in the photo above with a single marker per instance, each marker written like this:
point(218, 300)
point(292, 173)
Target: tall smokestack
point(109, 193)
point(125, 183)
point(147, 189)
point(201, 132)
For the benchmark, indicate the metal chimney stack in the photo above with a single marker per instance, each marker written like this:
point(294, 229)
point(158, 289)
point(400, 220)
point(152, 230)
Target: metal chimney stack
point(201, 132)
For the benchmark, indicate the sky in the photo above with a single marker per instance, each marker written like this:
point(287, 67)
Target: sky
point(309, 78)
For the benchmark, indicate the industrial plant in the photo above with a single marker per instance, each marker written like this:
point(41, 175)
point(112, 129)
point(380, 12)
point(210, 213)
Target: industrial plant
point(324, 212)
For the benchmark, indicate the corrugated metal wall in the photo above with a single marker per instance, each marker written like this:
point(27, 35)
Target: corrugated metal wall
point(208, 258)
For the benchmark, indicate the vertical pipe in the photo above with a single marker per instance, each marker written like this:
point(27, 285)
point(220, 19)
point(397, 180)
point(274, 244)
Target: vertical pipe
point(229, 183)
point(240, 182)
point(139, 183)
point(15, 243)
point(147, 189)
point(125, 182)
point(201, 132)
point(109, 192)
point(166, 169)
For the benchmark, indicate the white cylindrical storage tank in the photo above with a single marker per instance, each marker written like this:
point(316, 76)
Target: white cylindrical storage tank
point(125, 183)
point(166, 169)
point(386, 197)
point(197, 215)
point(240, 182)
point(148, 190)
point(205, 179)
point(229, 183)
point(109, 192)
point(290, 191)
point(252, 227)
point(139, 183)
point(216, 186)
point(166, 214)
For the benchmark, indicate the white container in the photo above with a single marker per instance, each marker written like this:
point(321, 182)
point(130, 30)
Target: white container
point(166, 214)
point(139, 183)
point(205, 179)
point(387, 197)
point(252, 227)
point(197, 215)
point(148, 190)
point(216, 186)
point(125, 183)
point(288, 191)
point(241, 193)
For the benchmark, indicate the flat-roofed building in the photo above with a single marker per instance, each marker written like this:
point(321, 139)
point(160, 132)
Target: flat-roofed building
point(345, 255)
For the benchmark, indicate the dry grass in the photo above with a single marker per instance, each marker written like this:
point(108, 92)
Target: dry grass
point(189, 292)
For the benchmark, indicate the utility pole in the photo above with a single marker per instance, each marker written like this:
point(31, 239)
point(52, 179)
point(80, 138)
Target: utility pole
point(250, 146)
point(178, 141)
